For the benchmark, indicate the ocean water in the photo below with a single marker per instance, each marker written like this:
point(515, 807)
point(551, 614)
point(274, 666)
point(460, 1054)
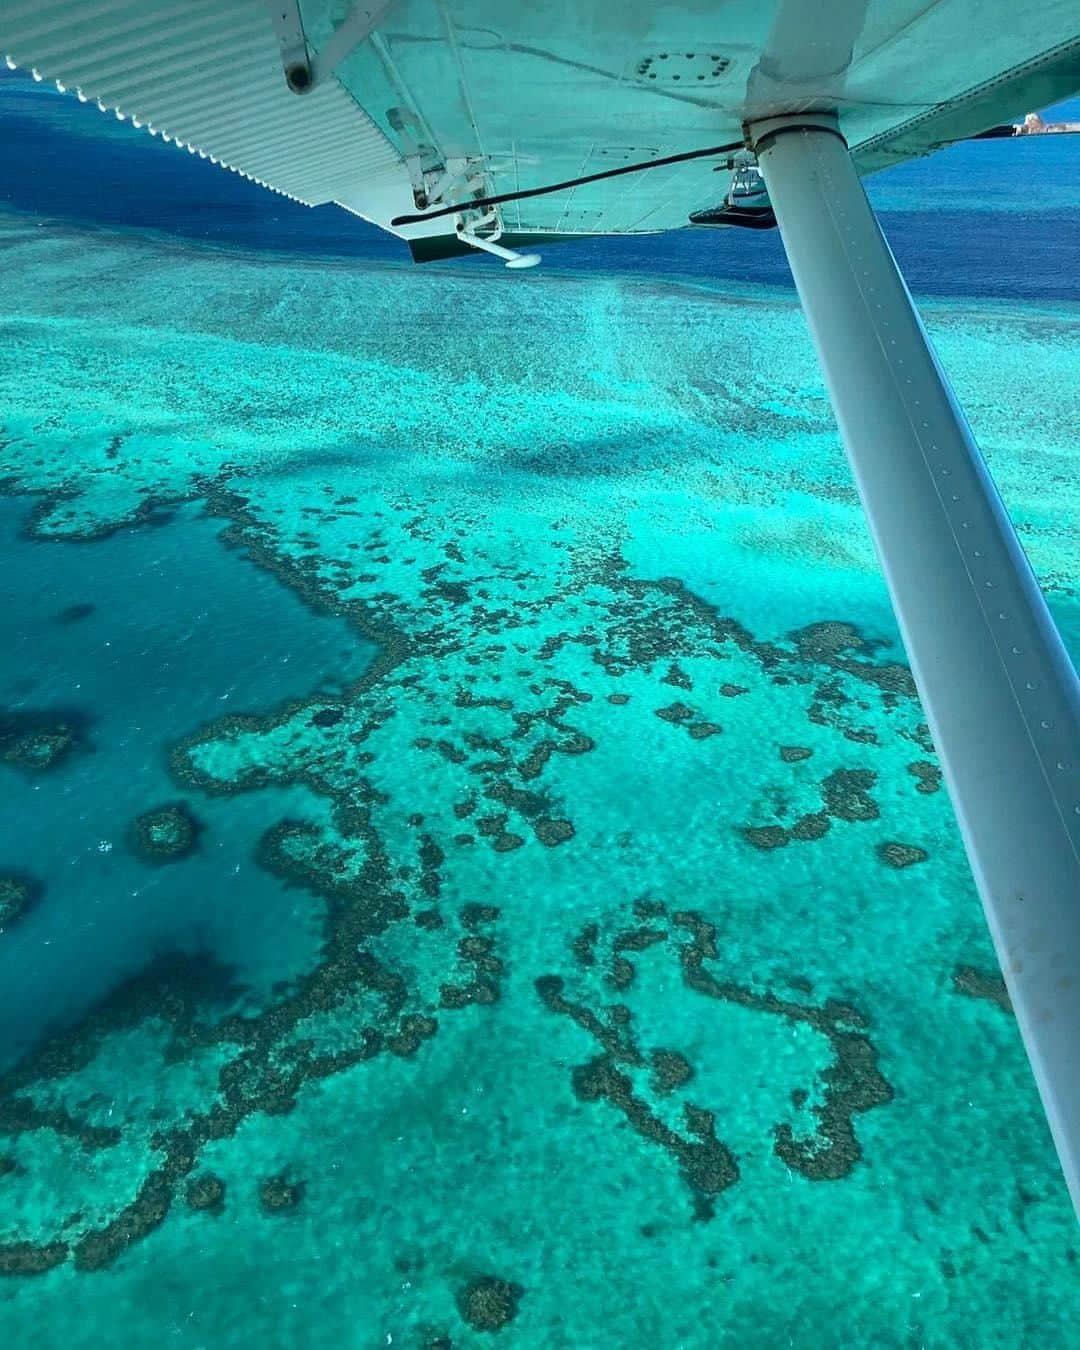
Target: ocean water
point(486, 878)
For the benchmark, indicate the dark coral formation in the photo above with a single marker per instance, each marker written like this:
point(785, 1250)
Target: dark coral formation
point(681, 715)
point(812, 826)
point(678, 677)
point(413, 1030)
point(153, 510)
point(707, 1163)
point(920, 734)
point(475, 915)
point(205, 1192)
point(828, 639)
point(621, 972)
point(476, 954)
point(843, 650)
point(983, 984)
point(166, 834)
point(900, 855)
point(584, 945)
point(675, 712)
point(431, 860)
point(488, 1303)
point(554, 832)
point(766, 836)
point(101, 1246)
point(29, 1258)
point(846, 794)
point(278, 1194)
point(928, 774)
point(850, 1085)
point(842, 647)
point(19, 894)
point(792, 754)
point(701, 731)
point(19, 1115)
point(670, 1070)
point(37, 740)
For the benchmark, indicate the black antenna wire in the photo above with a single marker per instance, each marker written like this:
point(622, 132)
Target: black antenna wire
point(498, 200)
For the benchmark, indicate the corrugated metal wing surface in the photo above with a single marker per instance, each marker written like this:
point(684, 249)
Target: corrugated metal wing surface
point(205, 74)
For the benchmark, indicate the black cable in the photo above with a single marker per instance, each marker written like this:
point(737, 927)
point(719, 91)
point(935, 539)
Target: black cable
point(479, 202)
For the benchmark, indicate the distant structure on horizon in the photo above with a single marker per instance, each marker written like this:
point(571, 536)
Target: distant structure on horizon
point(1033, 125)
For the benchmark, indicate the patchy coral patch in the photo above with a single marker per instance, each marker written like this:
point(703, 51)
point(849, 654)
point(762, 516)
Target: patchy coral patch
point(38, 740)
point(166, 834)
point(18, 895)
point(489, 1303)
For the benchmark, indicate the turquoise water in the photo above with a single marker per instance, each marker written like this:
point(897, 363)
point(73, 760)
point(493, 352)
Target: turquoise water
point(472, 866)
point(576, 939)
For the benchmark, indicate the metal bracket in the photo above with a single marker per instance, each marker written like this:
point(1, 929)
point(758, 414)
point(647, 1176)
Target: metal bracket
point(359, 24)
point(463, 172)
point(292, 42)
point(423, 160)
point(509, 256)
point(436, 186)
point(304, 70)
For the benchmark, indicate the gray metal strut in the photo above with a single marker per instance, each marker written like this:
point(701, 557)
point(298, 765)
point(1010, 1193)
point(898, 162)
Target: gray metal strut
point(1001, 697)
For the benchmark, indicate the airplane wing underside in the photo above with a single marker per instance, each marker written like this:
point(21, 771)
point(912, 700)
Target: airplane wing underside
point(441, 101)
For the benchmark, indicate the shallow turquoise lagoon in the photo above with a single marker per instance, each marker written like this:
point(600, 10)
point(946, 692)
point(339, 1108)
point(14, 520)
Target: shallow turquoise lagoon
point(474, 866)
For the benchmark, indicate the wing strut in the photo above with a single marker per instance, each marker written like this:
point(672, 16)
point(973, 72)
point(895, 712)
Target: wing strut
point(1000, 695)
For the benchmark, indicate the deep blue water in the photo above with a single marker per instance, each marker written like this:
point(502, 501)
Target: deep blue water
point(983, 218)
point(130, 632)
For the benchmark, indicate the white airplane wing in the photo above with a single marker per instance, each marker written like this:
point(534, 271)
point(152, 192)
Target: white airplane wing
point(440, 101)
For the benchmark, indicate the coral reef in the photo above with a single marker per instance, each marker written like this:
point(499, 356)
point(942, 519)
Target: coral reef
point(489, 1303)
point(851, 1084)
point(984, 984)
point(19, 894)
point(928, 775)
point(845, 795)
point(38, 740)
point(165, 834)
point(901, 855)
point(278, 1194)
point(205, 1192)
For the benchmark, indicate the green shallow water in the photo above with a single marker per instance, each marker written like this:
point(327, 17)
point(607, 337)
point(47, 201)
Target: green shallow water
point(580, 956)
